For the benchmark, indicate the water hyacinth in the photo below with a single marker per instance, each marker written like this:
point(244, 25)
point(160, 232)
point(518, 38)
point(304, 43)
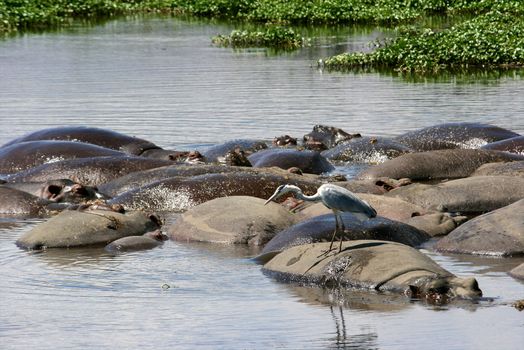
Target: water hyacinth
point(490, 40)
point(273, 37)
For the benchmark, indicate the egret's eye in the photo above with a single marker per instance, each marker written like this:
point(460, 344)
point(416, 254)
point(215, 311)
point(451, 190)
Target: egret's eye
point(280, 188)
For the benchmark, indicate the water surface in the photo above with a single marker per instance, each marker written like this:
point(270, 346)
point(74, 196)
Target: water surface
point(161, 79)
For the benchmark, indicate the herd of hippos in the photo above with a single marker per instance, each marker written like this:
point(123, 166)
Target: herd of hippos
point(462, 183)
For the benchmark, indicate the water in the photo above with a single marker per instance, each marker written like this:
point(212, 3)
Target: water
point(160, 79)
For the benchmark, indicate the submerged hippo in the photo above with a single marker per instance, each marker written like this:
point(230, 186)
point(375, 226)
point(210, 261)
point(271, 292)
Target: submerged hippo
point(73, 228)
point(88, 171)
point(454, 135)
point(179, 194)
point(513, 145)
point(25, 155)
point(60, 190)
point(148, 240)
point(518, 272)
point(501, 169)
point(215, 154)
point(470, 195)
point(325, 137)
point(320, 229)
point(307, 161)
point(17, 202)
point(500, 232)
point(366, 150)
point(436, 165)
point(234, 219)
point(101, 137)
point(374, 265)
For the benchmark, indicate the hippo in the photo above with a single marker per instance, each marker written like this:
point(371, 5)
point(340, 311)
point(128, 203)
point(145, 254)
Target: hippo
point(388, 207)
point(320, 228)
point(437, 165)
point(233, 220)
point(366, 150)
point(501, 169)
point(436, 224)
point(307, 161)
point(88, 171)
point(512, 145)
point(20, 203)
point(180, 194)
point(215, 154)
point(499, 233)
point(72, 228)
point(472, 195)
point(101, 137)
point(325, 137)
point(284, 141)
point(454, 135)
point(518, 272)
point(148, 240)
point(59, 190)
point(25, 155)
point(373, 265)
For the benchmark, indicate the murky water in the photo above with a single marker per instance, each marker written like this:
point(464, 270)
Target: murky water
point(161, 79)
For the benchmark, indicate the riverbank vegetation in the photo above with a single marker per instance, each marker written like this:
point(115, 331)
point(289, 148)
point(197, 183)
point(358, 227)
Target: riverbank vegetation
point(482, 34)
point(272, 36)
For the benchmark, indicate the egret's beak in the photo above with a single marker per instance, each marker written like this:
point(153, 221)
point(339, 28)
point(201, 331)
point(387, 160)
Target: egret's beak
point(274, 196)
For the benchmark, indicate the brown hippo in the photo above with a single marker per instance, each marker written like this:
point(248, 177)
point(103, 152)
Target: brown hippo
point(454, 135)
point(148, 240)
point(501, 169)
point(25, 155)
point(471, 195)
point(437, 165)
point(307, 161)
point(73, 228)
point(366, 150)
point(320, 228)
point(500, 233)
point(88, 171)
point(374, 265)
point(325, 137)
point(180, 194)
point(233, 220)
point(512, 145)
point(216, 153)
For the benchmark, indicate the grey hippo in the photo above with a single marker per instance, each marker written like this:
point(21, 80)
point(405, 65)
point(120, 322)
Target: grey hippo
point(366, 150)
point(324, 137)
point(437, 165)
point(307, 161)
point(88, 171)
point(73, 228)
point(373, 265)
point(148, 240)
point(180, 194)
point(26, 155)
point(101, 137)
point(512, 145)
point(454, 135)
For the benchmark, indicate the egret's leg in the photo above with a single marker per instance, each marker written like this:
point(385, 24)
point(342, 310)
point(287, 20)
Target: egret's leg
point(342, 232)
point(335, 232)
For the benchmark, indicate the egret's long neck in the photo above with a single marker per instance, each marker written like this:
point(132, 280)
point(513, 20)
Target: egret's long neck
point(300, 195)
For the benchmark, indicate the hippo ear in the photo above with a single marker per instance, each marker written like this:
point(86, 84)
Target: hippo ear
point(155, 219)
point(412, 291)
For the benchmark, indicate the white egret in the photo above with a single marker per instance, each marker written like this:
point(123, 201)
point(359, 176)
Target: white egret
point(336, 198)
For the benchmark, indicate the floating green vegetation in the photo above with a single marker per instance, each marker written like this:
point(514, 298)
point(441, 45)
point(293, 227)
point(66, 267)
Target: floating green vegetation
point(491, 40)
point(273, 36)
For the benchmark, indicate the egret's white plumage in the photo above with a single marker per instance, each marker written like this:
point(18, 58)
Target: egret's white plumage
point(336, 198)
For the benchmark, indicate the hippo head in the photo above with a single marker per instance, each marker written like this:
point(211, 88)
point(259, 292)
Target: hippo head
point(65, 190)
point(445, 288)
point(284, 140)
point(236, 157)
point(156, 235)
point(324, 137)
